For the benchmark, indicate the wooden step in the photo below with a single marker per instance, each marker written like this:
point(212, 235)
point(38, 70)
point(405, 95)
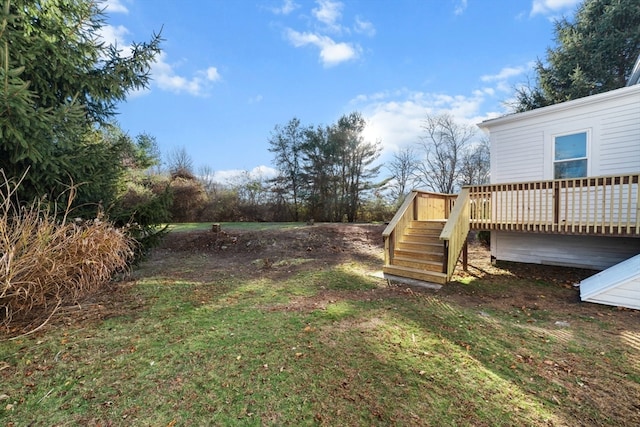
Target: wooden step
point(420, 253)
point(431, 246)
point(420, 238)
point(433, 224)
point(416, 228)
point(414, 273)
point(420, 264)
point(423, 233)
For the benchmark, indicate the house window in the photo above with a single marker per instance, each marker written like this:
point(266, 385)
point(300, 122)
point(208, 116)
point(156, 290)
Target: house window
point(570, 156)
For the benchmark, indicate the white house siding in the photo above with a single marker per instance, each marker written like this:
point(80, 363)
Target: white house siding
point(620, 139)
point(596, 253)
point(522, 150)
point(522, 144)
point(510, 149)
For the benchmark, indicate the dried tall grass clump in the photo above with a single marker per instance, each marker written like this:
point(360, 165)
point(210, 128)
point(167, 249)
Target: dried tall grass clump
point(46, 260)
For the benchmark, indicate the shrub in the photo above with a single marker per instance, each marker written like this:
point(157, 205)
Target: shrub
point(45, 261)
point(142, 209)
point(189, 199)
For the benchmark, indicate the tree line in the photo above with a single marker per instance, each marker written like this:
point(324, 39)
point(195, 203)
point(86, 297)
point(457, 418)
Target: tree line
point(62, 85)
point(324, 172)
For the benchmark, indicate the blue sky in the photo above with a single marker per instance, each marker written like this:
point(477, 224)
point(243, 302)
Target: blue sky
point(233, 69)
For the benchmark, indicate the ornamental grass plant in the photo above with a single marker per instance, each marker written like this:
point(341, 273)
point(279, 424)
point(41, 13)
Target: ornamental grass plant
point(48, 259)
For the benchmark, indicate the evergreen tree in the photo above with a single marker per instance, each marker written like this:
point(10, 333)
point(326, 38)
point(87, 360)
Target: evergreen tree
point(61, 82)
point(325, 171)
point(354, 158)
point(594, 53)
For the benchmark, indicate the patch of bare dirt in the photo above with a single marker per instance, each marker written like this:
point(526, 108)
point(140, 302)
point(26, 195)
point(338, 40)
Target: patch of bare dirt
point(320, 240)
point(278, 251)
point(525, 287)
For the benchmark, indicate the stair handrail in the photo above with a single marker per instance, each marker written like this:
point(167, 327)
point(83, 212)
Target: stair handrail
point(455, 231)
point(400, 220)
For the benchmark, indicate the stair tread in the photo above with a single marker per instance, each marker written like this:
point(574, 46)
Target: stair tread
point(417, 270)
point(411, 251)
point(424, 261)
point(414, 253)
point(415, 273)
point(426, 244)
point(424, 233)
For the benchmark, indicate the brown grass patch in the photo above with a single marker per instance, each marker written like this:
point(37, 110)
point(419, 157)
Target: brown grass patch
point(46, 261)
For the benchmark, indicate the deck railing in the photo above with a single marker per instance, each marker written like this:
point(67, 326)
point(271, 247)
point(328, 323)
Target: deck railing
point(603, 205)
point(455, 231)
point(418, 206)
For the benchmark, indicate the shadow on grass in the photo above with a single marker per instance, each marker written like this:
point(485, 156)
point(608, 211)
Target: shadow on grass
point(220, 340)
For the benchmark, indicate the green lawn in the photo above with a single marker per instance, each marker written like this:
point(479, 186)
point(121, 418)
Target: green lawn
point(188, 344)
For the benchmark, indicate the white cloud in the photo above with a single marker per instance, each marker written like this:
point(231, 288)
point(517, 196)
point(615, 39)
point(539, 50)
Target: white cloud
point(484, 91)
point(460, 7)
point(233, 176)
point(396, 118)
point(212, 74)
point(115, 6)
point(329, 13)
point(364, 27)
point(163, 73)
point(115, 36)
point(287, 7)
point(547, 7)
point(504, 81)
point(331, 53)
point(505, 74)
point(323, 29)
point(256, 99)
point(166, 78)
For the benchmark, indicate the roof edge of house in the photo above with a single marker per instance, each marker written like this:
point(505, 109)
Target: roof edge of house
point(612, 94)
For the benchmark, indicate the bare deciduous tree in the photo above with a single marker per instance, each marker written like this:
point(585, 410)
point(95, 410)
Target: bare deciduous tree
point(402, 167)
point(444, 143)
point(180, 163)
point(286, 143)
point(475, 164)
point(206, 176)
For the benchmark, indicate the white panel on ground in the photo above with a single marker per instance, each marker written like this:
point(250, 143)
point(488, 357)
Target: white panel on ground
point(618, 285)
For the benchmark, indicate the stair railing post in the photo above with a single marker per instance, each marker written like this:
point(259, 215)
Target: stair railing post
point(445, 261)
point(465, 255)
point(556, 205)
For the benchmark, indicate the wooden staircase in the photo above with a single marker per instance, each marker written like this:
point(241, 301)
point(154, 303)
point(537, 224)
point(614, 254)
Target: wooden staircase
point(426, 236)
point(419, 253)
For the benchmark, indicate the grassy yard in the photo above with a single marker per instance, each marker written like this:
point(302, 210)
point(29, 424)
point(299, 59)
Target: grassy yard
point(189, 342)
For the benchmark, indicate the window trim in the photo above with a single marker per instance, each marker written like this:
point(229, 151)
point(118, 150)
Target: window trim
point(587, 147)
